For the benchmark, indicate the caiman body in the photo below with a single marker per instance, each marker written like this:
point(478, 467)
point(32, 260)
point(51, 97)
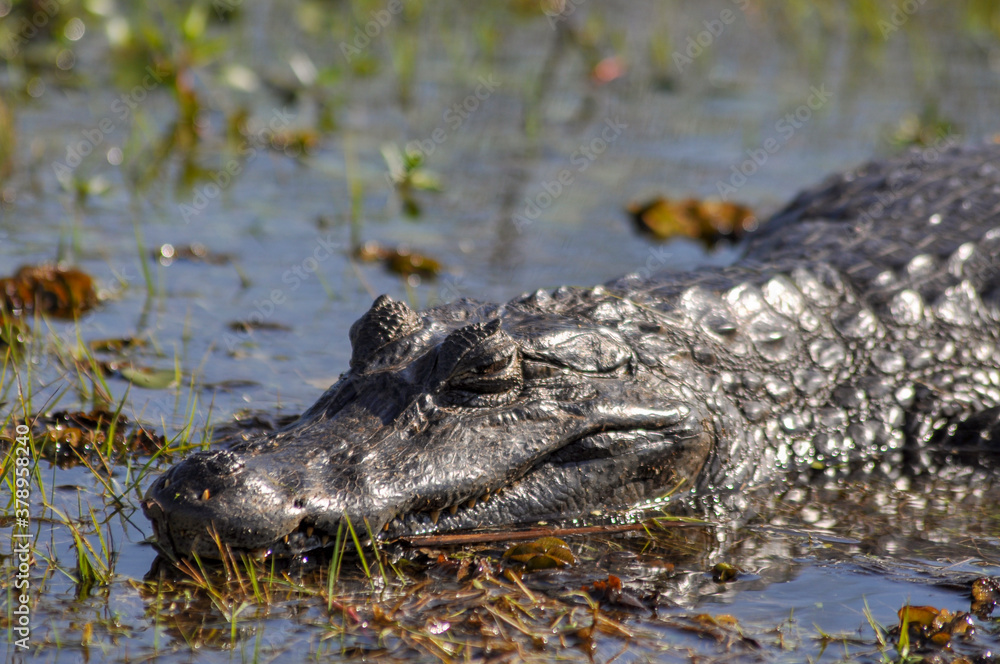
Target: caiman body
point(863, 321)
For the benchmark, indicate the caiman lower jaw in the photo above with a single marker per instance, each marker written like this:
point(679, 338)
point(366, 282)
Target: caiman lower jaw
point(564, 484)
point(305, 537)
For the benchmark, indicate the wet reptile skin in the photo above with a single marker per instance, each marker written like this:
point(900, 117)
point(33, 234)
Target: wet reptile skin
point(861, 324)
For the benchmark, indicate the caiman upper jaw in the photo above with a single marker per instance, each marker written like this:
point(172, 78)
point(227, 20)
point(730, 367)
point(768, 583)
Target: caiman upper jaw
point(287, 492)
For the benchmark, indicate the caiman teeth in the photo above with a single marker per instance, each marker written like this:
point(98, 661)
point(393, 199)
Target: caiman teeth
point(435, 515)
point(309, 531)
point(472, 503)
point(205, 495)
point(324, 540)
point(453, 509)
point(485, 497)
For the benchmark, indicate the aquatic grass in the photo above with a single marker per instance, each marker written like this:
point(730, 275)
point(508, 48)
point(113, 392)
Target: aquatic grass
point(79, 361)
point(356, 188)
point(359, 549)
point(336, 560)
point(226, 602)
point(328, 288)
point(404, 47)
point(113, 425)
point(10, 361)
point(261, 591)
point(143, 252)
point(903, 643)
point(878, 629)
point(190, 423)
point(8, 140)
point(92, 568)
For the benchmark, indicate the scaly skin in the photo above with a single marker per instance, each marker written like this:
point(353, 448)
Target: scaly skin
point(862, 323)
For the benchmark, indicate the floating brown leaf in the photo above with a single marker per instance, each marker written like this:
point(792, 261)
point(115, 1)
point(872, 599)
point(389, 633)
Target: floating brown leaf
point(612, 591)
point(724, 572)
point(938, 626)
point(706, 221)
point(985, 595)
point(400, 260)
point(115, 345)
point(64, 437)
point(723, 620)
point(543, 553)
point(48, 289)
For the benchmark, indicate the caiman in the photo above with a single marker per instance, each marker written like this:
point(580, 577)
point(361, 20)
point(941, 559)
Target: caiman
point(861, 324)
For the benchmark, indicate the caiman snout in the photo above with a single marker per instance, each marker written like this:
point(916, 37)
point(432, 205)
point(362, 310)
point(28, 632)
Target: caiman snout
point(210, 493)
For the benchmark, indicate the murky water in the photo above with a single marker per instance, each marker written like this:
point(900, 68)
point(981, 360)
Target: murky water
point(542, 127)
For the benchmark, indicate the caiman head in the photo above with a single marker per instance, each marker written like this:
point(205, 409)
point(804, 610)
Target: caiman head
point(468, 415)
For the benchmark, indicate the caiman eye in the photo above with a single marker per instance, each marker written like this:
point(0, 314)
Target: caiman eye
point(494, 367)
point(498, 375)
point(479, 364)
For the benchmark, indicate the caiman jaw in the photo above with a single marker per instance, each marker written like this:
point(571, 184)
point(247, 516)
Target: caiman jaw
point(236, 495)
